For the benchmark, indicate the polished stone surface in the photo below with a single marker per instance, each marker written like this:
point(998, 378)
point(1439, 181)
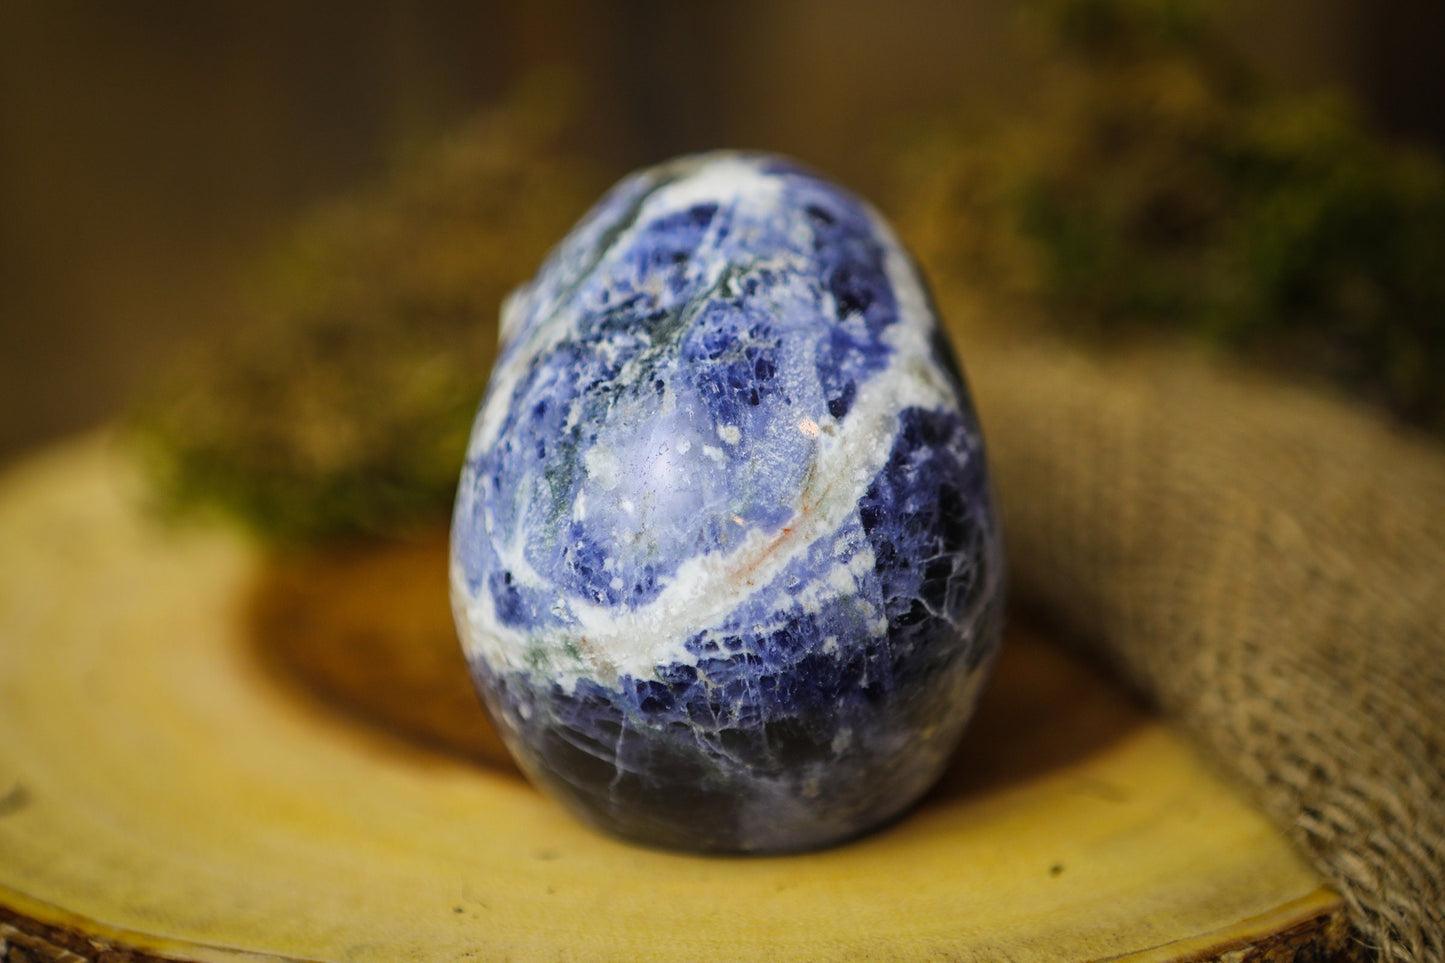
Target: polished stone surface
point(724, 560)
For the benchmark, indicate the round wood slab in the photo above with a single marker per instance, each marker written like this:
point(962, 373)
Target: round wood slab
point(172, 785)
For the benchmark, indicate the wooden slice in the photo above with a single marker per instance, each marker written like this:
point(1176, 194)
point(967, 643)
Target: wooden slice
point(204, 757)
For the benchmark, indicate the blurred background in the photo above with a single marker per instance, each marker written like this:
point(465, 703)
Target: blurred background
point(150, 151)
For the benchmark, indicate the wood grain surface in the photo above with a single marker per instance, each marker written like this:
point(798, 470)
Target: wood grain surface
point(208, 754)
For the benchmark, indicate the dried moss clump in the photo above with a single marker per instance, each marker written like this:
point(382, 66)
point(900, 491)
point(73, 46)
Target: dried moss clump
point(1152, 182)
point(344, 407)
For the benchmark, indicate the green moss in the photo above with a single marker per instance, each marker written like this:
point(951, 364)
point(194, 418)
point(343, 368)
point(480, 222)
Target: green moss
point(1154, 183)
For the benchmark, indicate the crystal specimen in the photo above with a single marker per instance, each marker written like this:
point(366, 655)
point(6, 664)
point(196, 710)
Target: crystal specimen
point(724, 558)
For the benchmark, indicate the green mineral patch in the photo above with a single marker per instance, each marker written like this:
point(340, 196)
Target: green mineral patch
point(569, 649)
point(542, 653)
point(538, 657)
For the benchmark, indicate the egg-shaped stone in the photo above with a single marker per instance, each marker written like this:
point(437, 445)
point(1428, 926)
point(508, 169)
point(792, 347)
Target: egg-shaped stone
point(725, 562)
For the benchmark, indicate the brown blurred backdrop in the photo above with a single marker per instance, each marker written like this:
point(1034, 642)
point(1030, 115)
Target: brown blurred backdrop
point(148, 149)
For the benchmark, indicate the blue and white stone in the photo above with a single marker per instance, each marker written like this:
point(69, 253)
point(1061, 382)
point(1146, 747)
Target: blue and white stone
point(725, 562)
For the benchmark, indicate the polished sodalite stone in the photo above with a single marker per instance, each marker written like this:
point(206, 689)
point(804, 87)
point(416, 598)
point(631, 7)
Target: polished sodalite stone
point(724, 559)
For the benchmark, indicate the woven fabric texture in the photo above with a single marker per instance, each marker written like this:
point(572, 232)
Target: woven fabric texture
point(1267, 564)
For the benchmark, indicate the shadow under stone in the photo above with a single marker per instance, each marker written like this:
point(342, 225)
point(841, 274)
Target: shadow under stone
point(366, 632)
point(1044, 709)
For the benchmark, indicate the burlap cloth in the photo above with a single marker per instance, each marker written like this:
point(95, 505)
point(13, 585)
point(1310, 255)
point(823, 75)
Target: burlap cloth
point(1267, 563)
